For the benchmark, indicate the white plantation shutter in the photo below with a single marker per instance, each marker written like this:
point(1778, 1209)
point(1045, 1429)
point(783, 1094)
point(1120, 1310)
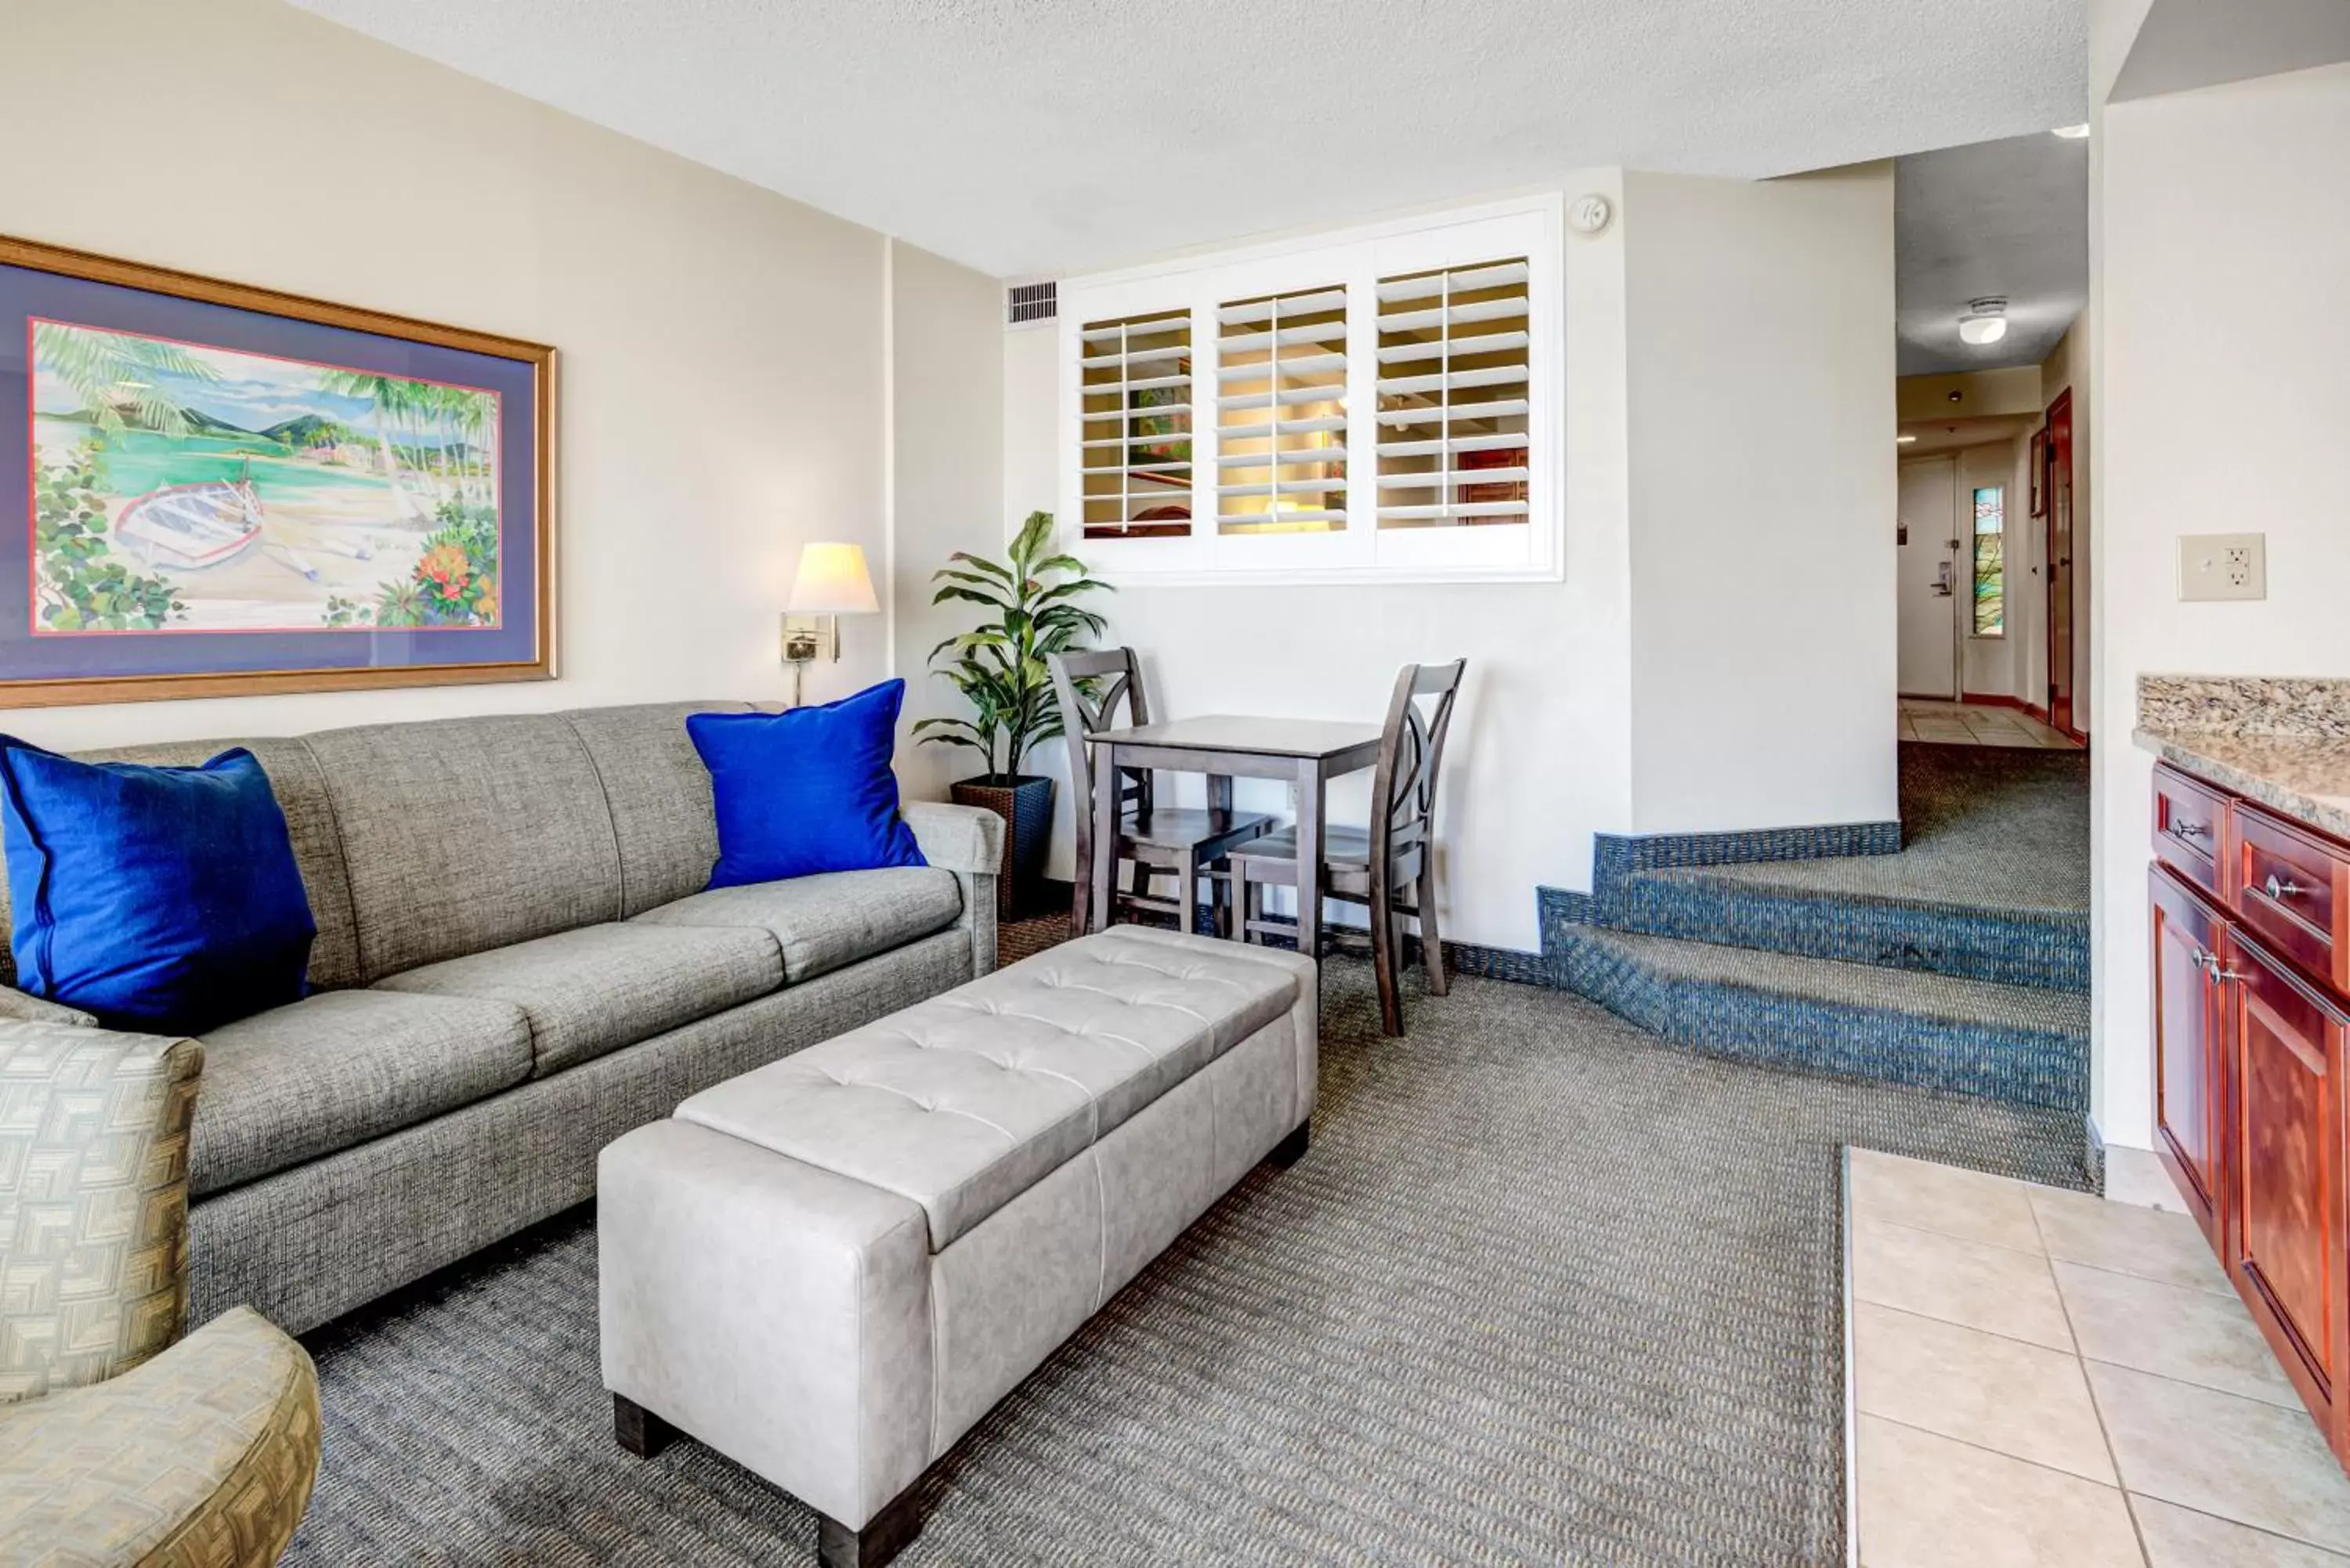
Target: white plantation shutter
point(1136, 393)
point(1455, 396)
point(1281, 414)
point(1384, 404)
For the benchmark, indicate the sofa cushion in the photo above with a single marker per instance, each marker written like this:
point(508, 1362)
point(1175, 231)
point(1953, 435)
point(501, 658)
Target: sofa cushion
point(659, 791)
point(964, 1102)
point(465, 834)
point(829, 920)
point(301, 794)
point(592, 991)
point(162, 899)
point(807, 790)
point(341, 1067)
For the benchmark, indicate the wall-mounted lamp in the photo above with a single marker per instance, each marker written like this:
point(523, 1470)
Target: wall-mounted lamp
point(832, 581)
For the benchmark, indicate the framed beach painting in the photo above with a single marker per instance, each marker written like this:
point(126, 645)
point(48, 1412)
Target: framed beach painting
point(212, 490)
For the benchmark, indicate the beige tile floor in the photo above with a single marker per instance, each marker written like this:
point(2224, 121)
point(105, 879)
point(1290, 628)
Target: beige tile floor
point(2044, 1378)
point(1976, 724)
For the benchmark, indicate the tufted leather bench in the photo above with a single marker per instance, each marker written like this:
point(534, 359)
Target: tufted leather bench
point(831, 1268)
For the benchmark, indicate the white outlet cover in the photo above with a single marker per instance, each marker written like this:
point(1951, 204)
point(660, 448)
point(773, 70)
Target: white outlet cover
point(2223, 566)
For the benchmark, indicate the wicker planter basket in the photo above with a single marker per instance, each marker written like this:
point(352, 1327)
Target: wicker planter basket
point(1024, 802)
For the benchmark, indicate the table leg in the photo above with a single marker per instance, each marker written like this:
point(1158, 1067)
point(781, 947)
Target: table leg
point(1221, 894)
point(1103, 872)
point(1309, 859)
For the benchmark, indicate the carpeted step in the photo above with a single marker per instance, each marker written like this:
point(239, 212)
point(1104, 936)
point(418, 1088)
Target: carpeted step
point(1859, 914)
point(2025, 1044)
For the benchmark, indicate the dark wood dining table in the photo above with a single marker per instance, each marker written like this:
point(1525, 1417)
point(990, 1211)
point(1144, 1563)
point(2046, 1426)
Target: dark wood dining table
point(1308, 752)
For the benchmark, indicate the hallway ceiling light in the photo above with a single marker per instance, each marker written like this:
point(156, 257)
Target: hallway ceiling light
point(1985, 321)
point(2072, 132)
point(1903, 439)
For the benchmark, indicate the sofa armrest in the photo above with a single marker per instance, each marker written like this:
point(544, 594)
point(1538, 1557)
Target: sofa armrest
point(957, 837)
point(15, 1006)
point(969, 842)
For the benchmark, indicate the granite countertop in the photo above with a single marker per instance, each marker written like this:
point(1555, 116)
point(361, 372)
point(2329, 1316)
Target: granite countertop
point(2283, 742)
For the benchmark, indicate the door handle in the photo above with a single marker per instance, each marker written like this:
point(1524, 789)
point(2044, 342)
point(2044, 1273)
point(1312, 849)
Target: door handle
point(1943, 583)
point(2280, 891)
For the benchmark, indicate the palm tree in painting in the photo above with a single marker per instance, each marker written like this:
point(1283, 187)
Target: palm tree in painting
point(116, 373)
point(389, 399)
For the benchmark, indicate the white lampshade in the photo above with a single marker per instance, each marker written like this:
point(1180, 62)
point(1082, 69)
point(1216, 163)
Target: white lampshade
point(832, 580)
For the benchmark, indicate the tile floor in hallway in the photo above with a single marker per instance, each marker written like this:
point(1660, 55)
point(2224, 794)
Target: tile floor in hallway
point(1978, 724)
point(2044, 1377)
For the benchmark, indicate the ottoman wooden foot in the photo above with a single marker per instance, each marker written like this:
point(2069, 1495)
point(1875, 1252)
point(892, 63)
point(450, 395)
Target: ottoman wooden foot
point(640, 1431)
point(884, 1535)
point(1292, 1149)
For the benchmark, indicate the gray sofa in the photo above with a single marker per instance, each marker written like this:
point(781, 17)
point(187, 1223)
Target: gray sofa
point(516, 962)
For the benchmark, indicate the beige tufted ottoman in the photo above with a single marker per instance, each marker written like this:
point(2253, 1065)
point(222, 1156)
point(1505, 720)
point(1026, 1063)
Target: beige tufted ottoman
point(828, 1269)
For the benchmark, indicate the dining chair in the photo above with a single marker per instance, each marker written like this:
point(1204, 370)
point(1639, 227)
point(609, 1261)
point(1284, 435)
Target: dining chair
point(1389, 867)
point(1183, 841)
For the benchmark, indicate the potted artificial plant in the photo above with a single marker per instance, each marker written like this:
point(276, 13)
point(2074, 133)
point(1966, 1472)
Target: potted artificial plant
point(999, 668)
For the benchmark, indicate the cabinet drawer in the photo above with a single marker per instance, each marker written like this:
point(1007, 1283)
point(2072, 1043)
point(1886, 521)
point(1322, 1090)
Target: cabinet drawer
point(2287, 886)
point(2191, 823)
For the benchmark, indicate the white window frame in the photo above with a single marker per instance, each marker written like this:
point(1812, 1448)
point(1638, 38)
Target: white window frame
point(1356, 259)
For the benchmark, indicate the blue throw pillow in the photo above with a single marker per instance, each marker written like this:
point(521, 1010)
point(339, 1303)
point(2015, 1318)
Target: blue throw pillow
point(806, 791)
point(164, 900)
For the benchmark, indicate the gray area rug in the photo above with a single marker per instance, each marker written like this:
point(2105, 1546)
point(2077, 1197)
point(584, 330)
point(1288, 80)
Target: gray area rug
point(1544, 1290)
point(1987, 828)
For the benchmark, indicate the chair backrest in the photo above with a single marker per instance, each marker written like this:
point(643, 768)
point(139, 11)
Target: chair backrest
point(94, 1129)
point(1091, 687)
point(1411, 750)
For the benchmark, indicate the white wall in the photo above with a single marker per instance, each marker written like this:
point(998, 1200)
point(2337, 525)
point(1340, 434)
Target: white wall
point(2222, 332)
point(1763, 617)
point(1545, 747)
point(946, 459)
point(722, 373)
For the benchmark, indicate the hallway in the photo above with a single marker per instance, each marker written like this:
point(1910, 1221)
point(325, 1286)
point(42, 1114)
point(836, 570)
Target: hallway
point(1978, 724)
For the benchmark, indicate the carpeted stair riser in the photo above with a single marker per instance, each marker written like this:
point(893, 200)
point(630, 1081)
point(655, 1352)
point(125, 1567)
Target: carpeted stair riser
point(2013, 947)
point(2029, 1066)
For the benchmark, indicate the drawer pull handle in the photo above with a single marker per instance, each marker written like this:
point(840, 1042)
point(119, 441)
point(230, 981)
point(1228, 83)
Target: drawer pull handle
point(2282, 890)
point(2221, 975)
point(2188, 830)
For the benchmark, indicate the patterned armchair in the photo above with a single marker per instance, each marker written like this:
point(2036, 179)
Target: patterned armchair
point(117, 1444)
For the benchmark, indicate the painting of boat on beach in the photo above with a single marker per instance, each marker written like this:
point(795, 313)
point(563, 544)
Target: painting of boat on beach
point(182, 487)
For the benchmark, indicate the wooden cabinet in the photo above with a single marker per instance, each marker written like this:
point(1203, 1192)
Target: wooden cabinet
point(2284, 1235)
point(2292, 887)
point(2251, 1026)
point(2190, 827)
point(2189, 1065)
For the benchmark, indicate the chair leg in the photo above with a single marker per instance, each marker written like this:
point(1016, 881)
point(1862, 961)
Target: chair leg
point(1220, 904)
point(1431, 940)
point(1187, 896)
point(1384, 957)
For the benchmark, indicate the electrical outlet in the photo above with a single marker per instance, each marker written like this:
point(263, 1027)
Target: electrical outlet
point(2223, 566)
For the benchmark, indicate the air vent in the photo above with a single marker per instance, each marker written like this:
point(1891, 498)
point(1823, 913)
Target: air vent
point(1026, 303)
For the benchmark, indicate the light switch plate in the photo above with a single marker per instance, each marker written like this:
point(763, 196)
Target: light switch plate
point(2223, 566)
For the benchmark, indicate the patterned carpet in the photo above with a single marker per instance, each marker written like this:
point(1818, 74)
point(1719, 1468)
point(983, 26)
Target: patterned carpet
point(1987, 827)
point(1542, 1291)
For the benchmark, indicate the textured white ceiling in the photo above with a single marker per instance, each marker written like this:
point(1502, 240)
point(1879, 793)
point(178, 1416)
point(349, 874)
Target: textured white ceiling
point(2008, 217)
point(1023, 136)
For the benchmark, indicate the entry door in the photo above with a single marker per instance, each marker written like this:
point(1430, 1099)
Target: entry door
point(2060, 561)
point(1928, 664)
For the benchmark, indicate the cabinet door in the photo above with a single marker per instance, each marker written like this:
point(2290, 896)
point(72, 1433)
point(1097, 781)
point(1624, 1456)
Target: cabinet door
point(2285, 1222)
point(2189, 1071)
